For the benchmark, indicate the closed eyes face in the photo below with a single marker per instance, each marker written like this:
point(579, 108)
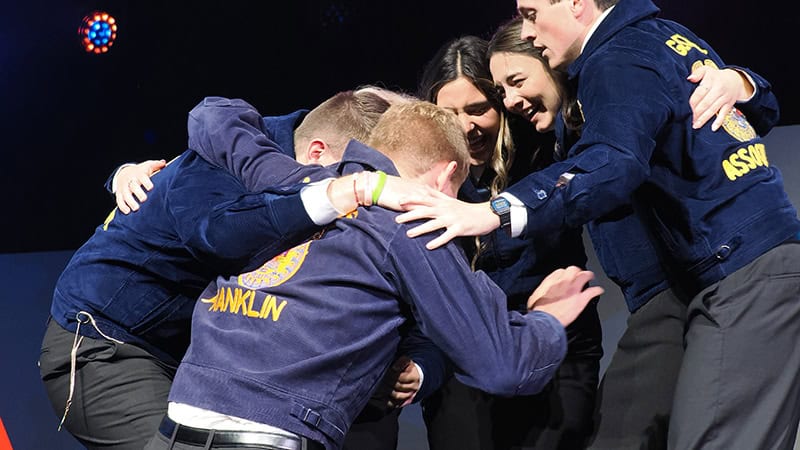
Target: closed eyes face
point(479, 120)
point(527, 87)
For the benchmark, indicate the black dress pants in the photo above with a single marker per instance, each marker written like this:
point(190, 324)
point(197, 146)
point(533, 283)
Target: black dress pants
point(560, 417)
point(120, 390)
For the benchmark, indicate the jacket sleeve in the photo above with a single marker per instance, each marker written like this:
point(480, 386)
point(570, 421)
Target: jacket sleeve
point(110, 181)
point(762, 111)
point(612, 157)
point(464, 314)
point(220, 221)
point(435, 365)
point(229, 134)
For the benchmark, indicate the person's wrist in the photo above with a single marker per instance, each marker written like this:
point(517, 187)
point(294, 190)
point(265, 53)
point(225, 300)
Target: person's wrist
point(115, 178)
point(379, 185)
point(340, 194)
point(487, 216)
point(748, 86)
point(501, 209)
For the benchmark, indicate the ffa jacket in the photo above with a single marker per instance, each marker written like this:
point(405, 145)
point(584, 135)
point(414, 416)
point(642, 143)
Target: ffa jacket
point(230, 133)
point(140, 274)
point(710, 200)
point(301, 342)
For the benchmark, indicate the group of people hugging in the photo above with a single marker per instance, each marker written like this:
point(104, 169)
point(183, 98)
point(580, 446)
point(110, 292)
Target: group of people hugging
point(292, 282)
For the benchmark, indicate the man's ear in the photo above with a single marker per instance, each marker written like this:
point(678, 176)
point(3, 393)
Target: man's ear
point(578, 7)
point(444, 179)
point(315, 150)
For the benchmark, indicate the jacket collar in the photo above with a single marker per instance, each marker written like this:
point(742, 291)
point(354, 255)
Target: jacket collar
point(281, 129)
point(358, 156)
point(625, 13)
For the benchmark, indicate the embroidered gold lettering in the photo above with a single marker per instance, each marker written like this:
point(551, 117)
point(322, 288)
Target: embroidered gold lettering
point(681, 45)
point(108, 220)
point(269, 307)
point(730, 171)
point(745, 156)
point(744, 160)
point(233, 301)
point(741, 165)
point(212, 301)
point(760, 150)
point(250, 296)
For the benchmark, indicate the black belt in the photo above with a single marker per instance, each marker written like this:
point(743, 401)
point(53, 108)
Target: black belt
point(176, 432)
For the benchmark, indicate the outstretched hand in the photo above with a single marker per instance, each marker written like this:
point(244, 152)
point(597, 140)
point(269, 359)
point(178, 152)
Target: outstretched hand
point(564, 294)
point(716, 94)
point(132, 181)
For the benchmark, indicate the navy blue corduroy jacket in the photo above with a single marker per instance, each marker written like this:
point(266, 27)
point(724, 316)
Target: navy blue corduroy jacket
point(302, 342)
point(710, 200)
point(140, 274)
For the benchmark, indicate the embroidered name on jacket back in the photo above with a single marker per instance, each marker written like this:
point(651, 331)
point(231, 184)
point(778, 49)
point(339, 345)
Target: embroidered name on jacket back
point(247, 300)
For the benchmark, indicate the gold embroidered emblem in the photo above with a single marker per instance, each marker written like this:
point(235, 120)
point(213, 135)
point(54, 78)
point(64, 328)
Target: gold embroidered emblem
point(705, 62)
point(737, 126)
point(277, 270)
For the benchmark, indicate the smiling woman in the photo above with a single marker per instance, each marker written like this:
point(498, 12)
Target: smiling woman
point(529, 87)
point(478, 118)
point(504, 149)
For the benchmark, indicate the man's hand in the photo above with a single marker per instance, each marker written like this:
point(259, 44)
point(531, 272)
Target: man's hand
point(716, 94)
point(406, 379)
point(398, 194)
point(563, 294)
point(131, 182)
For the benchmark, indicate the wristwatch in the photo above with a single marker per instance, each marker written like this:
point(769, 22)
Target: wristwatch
point(502, 207)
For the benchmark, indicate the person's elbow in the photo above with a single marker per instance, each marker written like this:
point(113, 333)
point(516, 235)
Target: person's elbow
point(514, 380)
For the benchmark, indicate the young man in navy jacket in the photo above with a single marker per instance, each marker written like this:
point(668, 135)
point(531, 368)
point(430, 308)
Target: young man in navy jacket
point(288, 354)
point(718, 212)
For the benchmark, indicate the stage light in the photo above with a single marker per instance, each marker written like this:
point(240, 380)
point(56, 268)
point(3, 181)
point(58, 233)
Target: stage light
point(97, 32)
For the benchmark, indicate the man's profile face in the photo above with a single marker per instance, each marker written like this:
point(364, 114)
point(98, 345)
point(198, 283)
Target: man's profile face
point(553, 28)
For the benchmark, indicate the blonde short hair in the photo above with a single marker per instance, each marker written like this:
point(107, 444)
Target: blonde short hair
point(418, 134)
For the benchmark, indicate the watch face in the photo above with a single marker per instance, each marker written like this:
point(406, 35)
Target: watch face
point(500, 205)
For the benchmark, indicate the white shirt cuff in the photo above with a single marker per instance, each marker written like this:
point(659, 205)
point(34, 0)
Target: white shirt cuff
point(421, 374)
point(317, 204)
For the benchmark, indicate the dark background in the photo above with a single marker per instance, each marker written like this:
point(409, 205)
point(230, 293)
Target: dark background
point(68, 118)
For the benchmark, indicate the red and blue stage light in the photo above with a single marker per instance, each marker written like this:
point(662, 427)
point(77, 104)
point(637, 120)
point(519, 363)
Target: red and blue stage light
point(98, 31)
